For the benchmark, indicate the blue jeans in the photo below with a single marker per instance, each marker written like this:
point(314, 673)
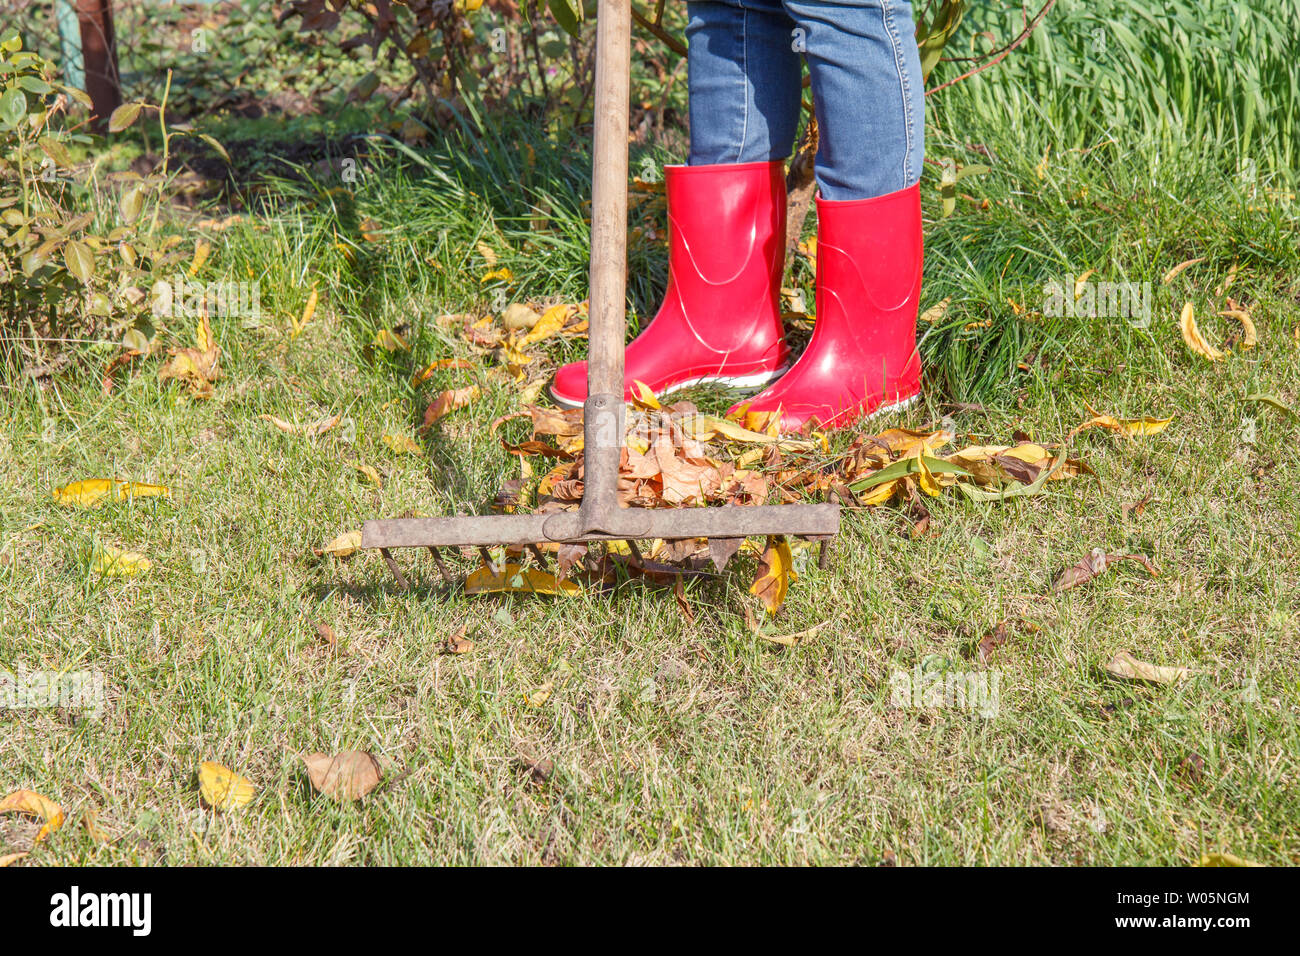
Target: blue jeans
point(745, 76)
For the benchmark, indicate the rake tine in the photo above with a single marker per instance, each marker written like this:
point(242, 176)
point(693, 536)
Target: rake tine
point(487, 557)
point(537, 553)
point(442, 567)
point(636, 552)
point(397, 572)
point(824, 558)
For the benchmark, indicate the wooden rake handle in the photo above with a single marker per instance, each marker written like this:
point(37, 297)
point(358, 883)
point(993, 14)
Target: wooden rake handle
point(603, 411)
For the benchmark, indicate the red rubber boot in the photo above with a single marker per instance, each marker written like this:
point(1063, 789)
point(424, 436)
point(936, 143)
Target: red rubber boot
point(720, 320)
point(862, 358)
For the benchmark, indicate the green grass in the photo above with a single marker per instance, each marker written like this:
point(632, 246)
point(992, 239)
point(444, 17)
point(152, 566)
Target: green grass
point(671, 741)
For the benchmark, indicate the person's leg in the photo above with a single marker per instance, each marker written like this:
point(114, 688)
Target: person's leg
point(720, 320)
point(866, 81)
point(867, 91)
point(744, 75)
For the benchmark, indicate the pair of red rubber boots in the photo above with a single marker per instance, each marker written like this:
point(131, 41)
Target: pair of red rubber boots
point(721, 318)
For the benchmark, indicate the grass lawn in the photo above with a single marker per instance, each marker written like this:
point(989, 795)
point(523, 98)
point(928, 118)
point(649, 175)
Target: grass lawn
point(610, 727)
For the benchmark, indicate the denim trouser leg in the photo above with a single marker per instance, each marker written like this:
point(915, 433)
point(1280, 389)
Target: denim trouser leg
point(866, 81)
point(744, 81)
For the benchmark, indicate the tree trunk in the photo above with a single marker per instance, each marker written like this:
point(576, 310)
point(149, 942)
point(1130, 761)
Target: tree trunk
point(99, 54)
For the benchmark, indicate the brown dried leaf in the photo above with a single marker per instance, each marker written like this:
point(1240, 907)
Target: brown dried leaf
point(1094, 564)
point(349, 775)
point(1125, 665)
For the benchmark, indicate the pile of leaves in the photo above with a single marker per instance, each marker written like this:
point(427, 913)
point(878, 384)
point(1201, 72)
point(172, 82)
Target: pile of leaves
point(674, 456)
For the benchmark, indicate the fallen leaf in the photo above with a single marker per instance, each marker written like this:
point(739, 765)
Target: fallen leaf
point(402, 444)
point(458, 643)
point(792, 640)
point(722, 550)
point(449, 401)
point(1249, 337)
point(1129, 427)
point(307, 312)
point(517, 316)
point(10, 858)
point(1135, 507)
point(991, 641)
point(344, 546)
point(32, 804)
point(201, 250)
point(447, 363)
point(1272, 400)
point(114, 562)
point(349, 775)
point(369, 472)
point(327, 635)
point(539, 695)
point(1125, 665)
point(197, 367)
point(389, 341)
point(1225, 859)
point(502, 275)
point(222, 788)
point(937, 311)
point(280, 423)
point(93, 492)
point(485, 580)
point(551, 321)
point(1192, 335)
point(1173, 273)
point(1094, 564)
point(775, 572)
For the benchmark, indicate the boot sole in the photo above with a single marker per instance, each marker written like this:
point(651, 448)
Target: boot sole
point(737, 381)
point(895, 407)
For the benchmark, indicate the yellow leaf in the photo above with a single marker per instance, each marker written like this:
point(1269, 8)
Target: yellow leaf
point(201, 250)
point(307, 312)
point(503, 274)
point(1192, 335)
point(925, 478)
point(1129, 427)
point(344, 546)
point(203, 340)
point(484, 580)
point(389, 341)
point(643, 397)
point(488, 253)
point(552, 321)
point(114, 562)
point(322, 425)
point(936, 311)
point(1173, 273)
point(222, 788)
point(280, 423)
point(539, 695)
point(1225, 859)
point(93, 492)
point(10, 858)
point(32, 804)
point(369, 472)
point(402, 444)
point(1082, 281)
point(775, 572)
point(881, 494)
point(427, 372)
point(1249, 338)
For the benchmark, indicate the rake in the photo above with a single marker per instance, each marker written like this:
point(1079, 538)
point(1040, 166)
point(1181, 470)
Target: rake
point(601, 517)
